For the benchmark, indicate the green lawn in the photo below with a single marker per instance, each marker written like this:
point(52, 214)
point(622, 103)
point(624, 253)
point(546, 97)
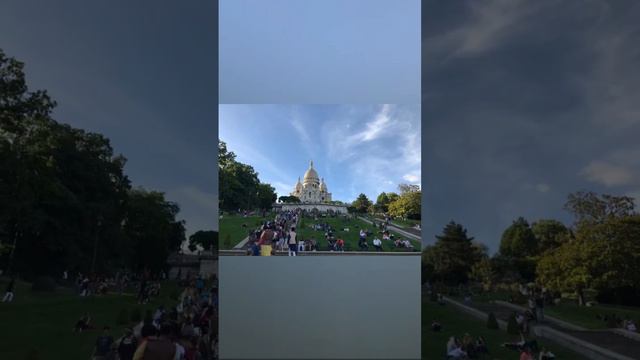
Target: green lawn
point(586, 316)
point(44, 321)
point(231, 225)
point(569, 311)
point(350, 237)
point(457, 323)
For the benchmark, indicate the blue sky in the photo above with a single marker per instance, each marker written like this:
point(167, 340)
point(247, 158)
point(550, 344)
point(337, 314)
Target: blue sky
point(319, 51)
point(142, 73)
point(525, 102)
point(356, 148)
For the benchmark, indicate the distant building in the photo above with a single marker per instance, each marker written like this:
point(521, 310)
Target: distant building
point(312, 189)
point(313, 194)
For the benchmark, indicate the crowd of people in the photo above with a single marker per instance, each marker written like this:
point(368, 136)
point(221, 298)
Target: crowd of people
point(467, 347)
point(185, 331)
point(281, 235)
point(528, 349)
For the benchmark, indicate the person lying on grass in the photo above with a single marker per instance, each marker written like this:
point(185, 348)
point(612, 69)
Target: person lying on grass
point(83, 323)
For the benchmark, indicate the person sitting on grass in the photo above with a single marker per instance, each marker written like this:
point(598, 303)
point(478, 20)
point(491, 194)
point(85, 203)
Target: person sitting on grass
point(546, 355)
point(454, 350)
point(436, 326)
point(518, 345)
point(526, 353)
point(83, 323)
point(340, 245)
point(127, 345)
point(630, 325)
point(481, 346)
point(104, 343)
point(468, 345)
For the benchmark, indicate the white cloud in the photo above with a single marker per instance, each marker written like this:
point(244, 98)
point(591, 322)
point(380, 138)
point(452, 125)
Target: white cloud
point(607, 174)
point(543, 188)
point(303, 135)
point(412, 178)
point(491, 23)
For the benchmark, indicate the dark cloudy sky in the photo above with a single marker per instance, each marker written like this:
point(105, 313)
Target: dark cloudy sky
point(523, 103)
point(143, 73)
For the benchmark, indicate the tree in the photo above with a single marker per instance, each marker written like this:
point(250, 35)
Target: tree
point(603, 256)
point(587, 206)
point(206, 239)
point(550, 234)
point(148, 228)
point(67, 203)
point(406, 188)
point(451, 257)
point(266, 196)
point(291, 199)
point(361, 204)
point(382, 203)
point(518, 240)
point(407, 206)
point(482, 272)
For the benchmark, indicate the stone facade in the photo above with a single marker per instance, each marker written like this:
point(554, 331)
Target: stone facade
point(340, 209)
point(312, 189)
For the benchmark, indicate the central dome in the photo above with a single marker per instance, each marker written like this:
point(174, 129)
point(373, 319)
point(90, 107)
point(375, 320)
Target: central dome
point(311, 175)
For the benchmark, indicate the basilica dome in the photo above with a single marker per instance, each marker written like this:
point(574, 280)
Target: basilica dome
point(311, 175)
point(312, 190)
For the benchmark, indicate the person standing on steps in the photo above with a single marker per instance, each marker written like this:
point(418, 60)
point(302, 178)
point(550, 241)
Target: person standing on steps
point(293, 248)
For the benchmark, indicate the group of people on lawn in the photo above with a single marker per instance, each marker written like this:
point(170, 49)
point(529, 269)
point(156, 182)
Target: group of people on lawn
point(186, 331)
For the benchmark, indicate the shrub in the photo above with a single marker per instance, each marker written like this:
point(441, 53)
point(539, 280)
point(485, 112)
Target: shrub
point(492, 322)
point(136, 315)
point(44, 283)
point(123, 317)
point(512, 325)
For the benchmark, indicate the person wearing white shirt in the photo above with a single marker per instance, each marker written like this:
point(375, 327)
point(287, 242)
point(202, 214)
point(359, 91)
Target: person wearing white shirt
point(378, 244)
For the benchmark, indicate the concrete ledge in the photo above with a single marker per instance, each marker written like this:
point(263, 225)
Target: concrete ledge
point(626, 333)
point(325, 253)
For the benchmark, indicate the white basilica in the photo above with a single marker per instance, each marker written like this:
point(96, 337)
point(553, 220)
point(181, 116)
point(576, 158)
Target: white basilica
point(313, 195)
point(312, 189)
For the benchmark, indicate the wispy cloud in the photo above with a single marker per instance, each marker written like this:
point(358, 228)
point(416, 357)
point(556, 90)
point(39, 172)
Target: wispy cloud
point(490, 23)
point(607, 174)
point(303, 134)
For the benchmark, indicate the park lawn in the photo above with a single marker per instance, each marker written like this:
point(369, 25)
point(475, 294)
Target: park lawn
point(569, 311)
point(350, 237)
point(231, 227)
point(457, 323)
point(43, 322)
point(586, 316)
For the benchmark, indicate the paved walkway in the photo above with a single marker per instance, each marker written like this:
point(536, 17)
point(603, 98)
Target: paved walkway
point(606, 339)
point(414, 234)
